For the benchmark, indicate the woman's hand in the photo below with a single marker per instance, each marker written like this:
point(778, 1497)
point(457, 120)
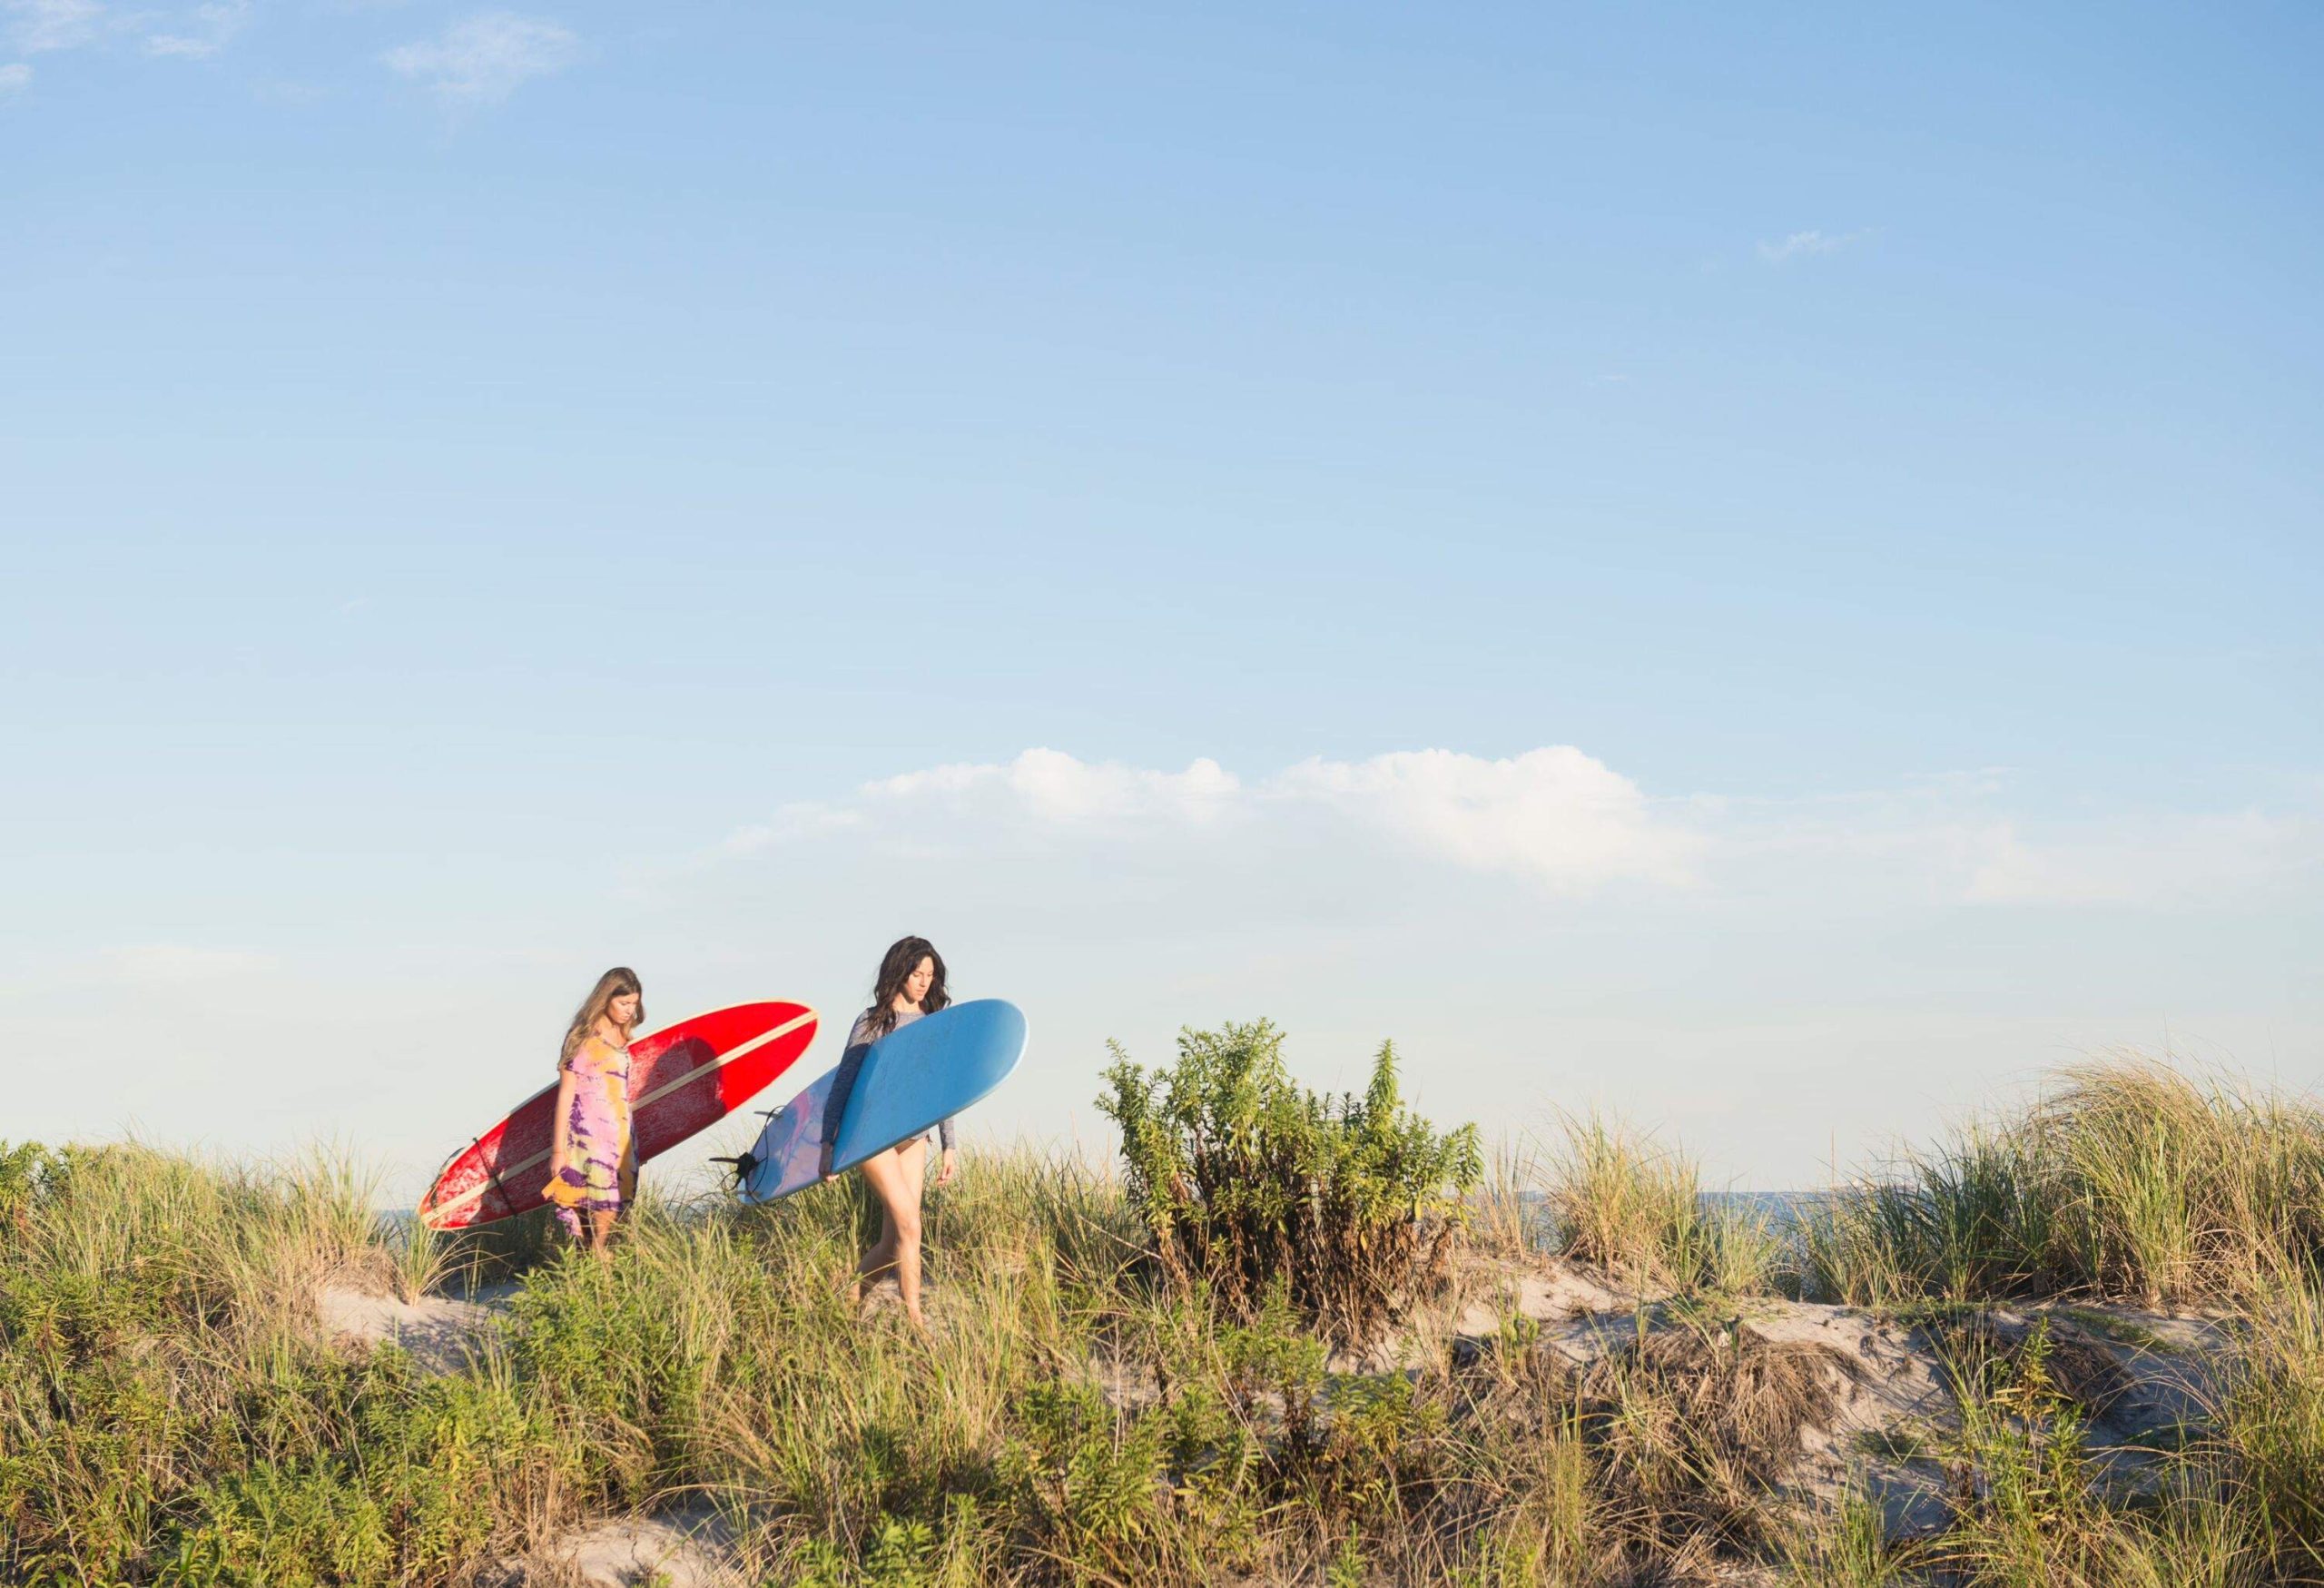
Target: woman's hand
point(824, 1162)
point(949, 1168)
point(560, 1123)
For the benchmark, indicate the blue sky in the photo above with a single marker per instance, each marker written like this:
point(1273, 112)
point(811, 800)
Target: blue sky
point(493, 493)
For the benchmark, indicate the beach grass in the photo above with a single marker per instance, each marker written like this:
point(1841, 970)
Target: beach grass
point(2127, 1179)
point(1637, 1210)
point(173, 1409)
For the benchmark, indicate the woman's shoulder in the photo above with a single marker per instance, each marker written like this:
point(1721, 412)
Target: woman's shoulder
point(593, 1049)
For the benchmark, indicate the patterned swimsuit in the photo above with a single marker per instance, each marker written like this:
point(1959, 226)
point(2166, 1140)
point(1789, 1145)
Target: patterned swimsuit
point(600, 1170)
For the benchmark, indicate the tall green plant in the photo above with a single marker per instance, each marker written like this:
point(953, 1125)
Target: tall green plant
point(1637, 1211)
point(1247, 1179)
point(2128, 1179)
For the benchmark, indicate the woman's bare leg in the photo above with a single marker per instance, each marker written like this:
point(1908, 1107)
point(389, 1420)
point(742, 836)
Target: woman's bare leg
point(878, 1258)
point(895, 1178)
point(882, 1173)
point(915, 1164)
point(601, 1229)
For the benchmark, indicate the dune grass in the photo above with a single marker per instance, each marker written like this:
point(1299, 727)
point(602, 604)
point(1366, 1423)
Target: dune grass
point(2128, 1179)
point(2132, 1180)
point(1636, 1209)
point(171, 1412)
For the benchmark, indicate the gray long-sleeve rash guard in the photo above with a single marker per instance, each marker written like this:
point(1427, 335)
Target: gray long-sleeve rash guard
point(859, 1042)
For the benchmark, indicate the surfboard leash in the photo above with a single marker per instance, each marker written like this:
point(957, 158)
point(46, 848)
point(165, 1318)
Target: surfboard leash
point(492, 1168)
point(745, 1161)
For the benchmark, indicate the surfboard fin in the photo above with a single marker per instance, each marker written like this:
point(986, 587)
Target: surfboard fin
point(744, 1164)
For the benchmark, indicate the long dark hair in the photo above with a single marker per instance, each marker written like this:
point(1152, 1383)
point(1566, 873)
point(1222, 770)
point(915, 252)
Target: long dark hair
point(896, 966)
point(621, 979)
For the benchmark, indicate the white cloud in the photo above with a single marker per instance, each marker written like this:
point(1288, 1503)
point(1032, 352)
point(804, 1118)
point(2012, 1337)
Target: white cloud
point(14, 77)
point(208, 29)
point(1801, 244)
point(1554, 815)
point(191, 33)
point(1042, 787)
point(1054, 786)
point(34, 25)
point(486, 57)
point(1564, 823)
point(1563, 819)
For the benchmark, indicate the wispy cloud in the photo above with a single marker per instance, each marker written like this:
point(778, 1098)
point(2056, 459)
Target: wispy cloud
point(486, 57)
point(1556, 816)
point(187, 33)
point(1802, 244)
point(169, 964)
point(13, 78)
point(36, 26)
point(1566, 824)
point(206, 30)
point(2132, 860)
point(1042, 787)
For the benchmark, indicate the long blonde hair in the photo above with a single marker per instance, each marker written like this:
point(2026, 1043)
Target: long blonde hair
point(615, 983)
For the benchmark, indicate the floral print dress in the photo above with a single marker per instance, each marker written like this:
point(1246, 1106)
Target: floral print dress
point(600, 1162)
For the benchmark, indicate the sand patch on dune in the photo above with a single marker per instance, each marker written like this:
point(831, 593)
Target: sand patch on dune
point(443, 1333)
point(684, 1546)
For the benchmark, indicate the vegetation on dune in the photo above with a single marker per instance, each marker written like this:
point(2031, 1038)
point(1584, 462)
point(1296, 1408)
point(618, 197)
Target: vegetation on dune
point(1250, 1182)
point(1087, 1410)
point(2128, 1179)
point(1637, 1212)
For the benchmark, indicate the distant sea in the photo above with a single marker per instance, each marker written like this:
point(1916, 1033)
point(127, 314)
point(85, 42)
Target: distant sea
point(1786, 1212)
point(1780, 1208)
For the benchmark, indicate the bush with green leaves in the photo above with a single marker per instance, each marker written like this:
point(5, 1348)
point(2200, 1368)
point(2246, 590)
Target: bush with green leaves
point(174, 1409)
point(1246, 1179)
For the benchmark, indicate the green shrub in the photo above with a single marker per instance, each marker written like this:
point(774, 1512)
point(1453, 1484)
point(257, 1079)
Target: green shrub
point(2022, 1486)
point(1245, 1178)
point(171, 1411)
point(1083, 1480)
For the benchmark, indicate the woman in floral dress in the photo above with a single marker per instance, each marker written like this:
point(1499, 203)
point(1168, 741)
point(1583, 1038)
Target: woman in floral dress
point(592, 1163)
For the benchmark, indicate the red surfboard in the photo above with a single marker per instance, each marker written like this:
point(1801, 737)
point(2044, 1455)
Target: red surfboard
point(682, 1078)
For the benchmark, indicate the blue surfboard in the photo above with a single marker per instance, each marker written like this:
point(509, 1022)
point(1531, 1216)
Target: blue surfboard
point(928, 1070)
point(785, 1157)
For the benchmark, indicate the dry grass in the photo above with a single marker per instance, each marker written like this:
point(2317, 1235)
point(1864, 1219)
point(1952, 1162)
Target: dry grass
point(1637, 1211)
point(168, 1412)
point(1695, 1430)
point(2128, 1179)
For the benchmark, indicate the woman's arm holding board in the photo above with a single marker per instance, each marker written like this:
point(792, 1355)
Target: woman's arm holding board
point(559, 1121)
point(851, 1064)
